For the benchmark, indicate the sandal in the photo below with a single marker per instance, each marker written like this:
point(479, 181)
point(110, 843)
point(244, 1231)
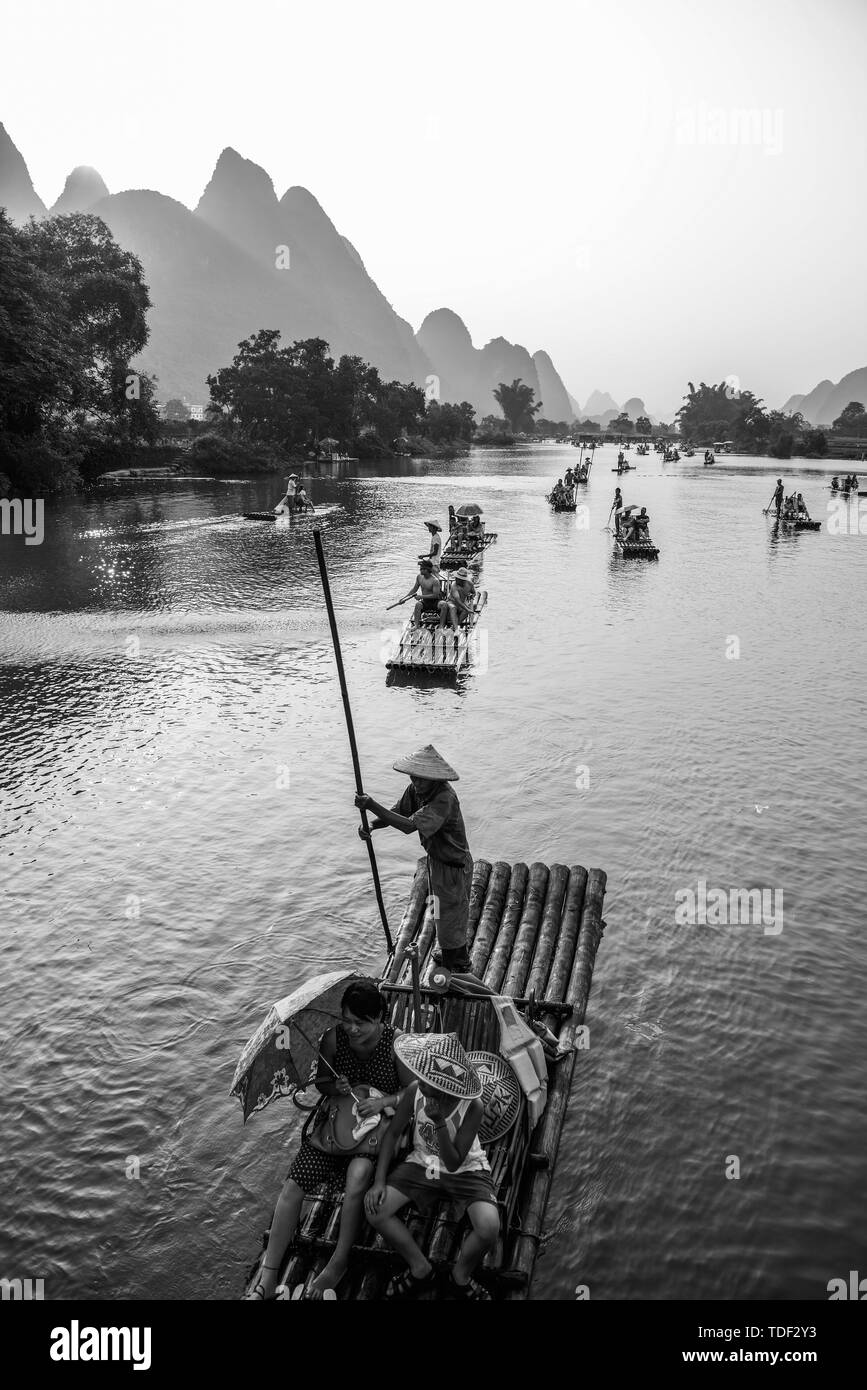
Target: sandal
point(406, 1285)
point(472, 1291)
point(258, 1289)
point(302, 1295)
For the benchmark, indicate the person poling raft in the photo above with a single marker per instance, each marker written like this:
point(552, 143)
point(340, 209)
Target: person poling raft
point(429, 587)
point(436, 545)
point(430, 807)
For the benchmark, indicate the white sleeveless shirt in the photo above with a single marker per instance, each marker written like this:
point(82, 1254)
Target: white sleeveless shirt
point(425, 1146)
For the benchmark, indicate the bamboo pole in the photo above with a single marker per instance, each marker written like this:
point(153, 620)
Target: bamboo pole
point(350, 729)
point(518, 961)
point(478, 891)
point(530, 941)
point(589, 937)
point(548, 1140)
point(564, 954)
point(504, 935)
point(492, 911)
point(552, 928)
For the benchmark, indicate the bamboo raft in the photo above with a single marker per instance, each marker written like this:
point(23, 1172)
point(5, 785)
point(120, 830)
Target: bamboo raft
point(533, 934)
point(429, 648)
point(801, 523)
point(561, 506)
point(457, 553)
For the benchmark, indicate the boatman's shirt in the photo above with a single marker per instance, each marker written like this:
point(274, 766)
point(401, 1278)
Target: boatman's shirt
point(438, 821)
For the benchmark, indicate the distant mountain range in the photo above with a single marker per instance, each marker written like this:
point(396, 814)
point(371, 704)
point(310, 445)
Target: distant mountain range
point(825, 402)
point(245, 260)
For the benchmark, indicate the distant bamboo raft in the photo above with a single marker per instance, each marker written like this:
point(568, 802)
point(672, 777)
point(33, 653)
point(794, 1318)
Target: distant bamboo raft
point(461, 550)
point(533, 932)
point(433, 649)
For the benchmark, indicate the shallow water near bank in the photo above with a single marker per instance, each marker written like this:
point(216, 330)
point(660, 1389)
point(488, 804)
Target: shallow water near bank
point(180, 849)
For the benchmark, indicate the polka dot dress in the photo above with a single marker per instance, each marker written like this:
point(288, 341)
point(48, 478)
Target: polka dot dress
point(311, 1167)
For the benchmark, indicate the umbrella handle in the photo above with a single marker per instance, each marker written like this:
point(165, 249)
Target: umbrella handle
point(335, 1072)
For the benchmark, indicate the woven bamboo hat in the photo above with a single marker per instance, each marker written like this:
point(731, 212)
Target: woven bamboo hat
point(434, 525)
point(426, 762)
point(439, 1060)
point(464, 574)
point(501, 1094)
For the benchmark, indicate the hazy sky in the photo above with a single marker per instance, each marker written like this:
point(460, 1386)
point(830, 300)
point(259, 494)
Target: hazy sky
point(573, 176)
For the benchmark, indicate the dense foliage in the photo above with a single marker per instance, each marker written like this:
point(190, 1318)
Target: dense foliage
point(73, 308)
point(852, 420)
point(715, 413)
point(296, 396)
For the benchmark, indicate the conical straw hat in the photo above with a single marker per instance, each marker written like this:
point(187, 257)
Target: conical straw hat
point(501, 1095)
point(439, 1060)
point(426, 762)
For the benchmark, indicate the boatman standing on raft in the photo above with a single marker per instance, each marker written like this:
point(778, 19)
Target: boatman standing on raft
point(430, 806)
point(436, 545)
point(778, 495)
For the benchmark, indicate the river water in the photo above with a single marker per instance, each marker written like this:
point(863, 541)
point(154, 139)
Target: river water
point(179, 850)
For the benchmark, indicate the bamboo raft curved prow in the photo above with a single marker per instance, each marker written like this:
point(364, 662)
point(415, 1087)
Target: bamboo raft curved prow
point(533, 935)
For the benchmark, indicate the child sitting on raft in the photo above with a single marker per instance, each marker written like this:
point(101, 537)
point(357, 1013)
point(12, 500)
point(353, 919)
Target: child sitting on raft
point(447, 1161)
point(360, 1051)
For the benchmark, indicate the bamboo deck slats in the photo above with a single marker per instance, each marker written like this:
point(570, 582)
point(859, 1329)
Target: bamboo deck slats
point(532, 931)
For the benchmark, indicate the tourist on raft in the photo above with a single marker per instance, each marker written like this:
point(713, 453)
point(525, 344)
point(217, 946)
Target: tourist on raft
point(360, 1050)
point(430, 807)
point(444, 1109)
point(640, 524)
point(436, 545)
point(835, 484)
point(457, 607)
point(429, 589)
